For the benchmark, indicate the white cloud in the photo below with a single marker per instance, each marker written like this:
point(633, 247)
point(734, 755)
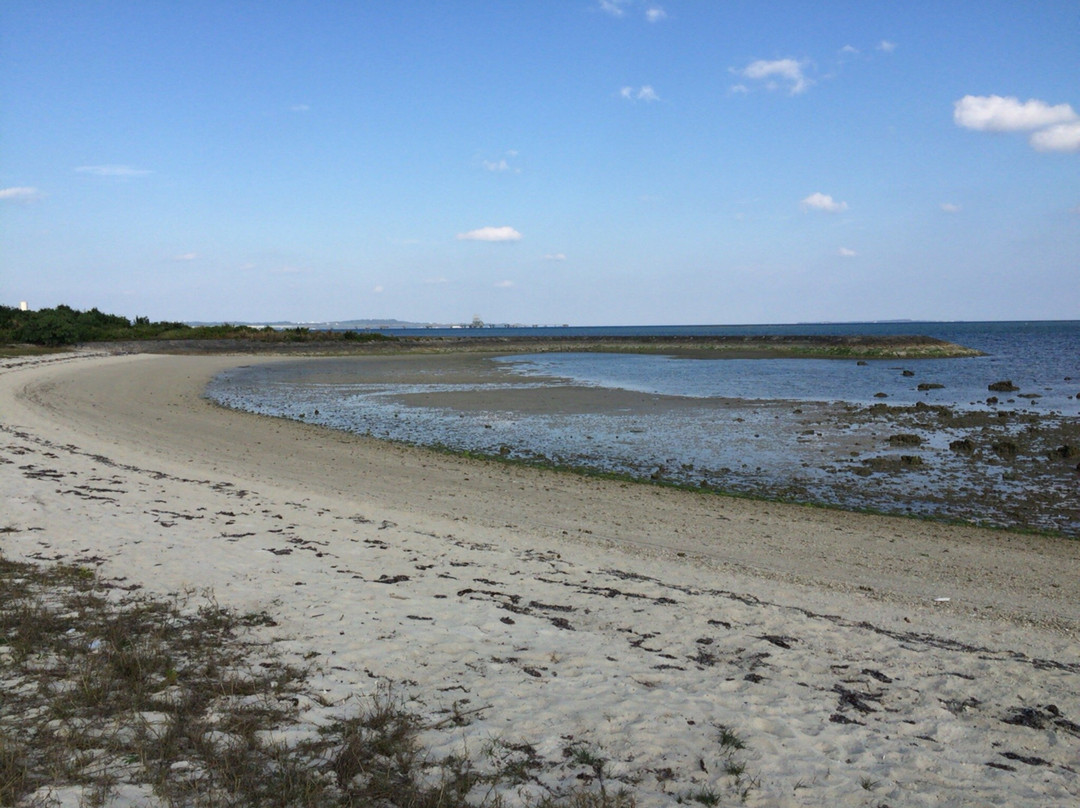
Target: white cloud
point(994, 113)
point(491, 234)
point(950, 207)
point(823, 202)
point(496, 165)
point(655, 14)
point(190, 256)
point(113, 171)
point(1063, 137)
point(555, 257)
point(20, 194)
point(299, 108)
point(886, 47)
point(504, 284)
point(846, 252)
point(378, 290)
point(850, 50)
point(643, 93)
point(788, 70)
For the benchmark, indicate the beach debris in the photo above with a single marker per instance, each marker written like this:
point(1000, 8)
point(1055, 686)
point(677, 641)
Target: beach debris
point(778, 640)
point(1029, 760)
point(1041, 717)
point(390, 579)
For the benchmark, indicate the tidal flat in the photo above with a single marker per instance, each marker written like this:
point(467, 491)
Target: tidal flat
point(1003, 465)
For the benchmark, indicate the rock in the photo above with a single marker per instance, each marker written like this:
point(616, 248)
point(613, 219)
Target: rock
point(1006, 449)
point(862, 363)
point(963, 446)
point(908, 373)
point(992, 400)
point(905, 439)
point(881, 395)
point(930, 386)
point(1065, 452)
point(910, 460)
point(1005, 386)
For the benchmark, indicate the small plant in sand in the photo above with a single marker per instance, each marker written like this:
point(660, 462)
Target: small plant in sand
point(729, 739)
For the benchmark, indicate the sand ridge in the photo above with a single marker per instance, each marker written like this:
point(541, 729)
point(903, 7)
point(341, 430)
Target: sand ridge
point(635, 618)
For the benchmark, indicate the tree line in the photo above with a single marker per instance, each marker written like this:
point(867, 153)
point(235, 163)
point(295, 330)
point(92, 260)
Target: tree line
point(64, 325)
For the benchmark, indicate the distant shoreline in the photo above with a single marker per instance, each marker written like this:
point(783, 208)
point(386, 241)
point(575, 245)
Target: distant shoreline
point(706, 347)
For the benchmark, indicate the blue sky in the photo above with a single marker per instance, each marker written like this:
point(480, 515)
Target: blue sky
point(557, 161)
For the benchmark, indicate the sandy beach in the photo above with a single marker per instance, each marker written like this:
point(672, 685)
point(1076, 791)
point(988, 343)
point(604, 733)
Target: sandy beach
point(863, 660)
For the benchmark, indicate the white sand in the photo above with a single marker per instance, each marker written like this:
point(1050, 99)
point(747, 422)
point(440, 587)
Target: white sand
point(554, 610)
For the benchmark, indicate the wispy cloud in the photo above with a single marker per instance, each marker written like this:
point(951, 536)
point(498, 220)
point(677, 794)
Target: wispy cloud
point(846, 252)
point(504, 284)
point(299, 108)
point(20, 194)
point(995, 113)
point(644, 93)
point(189, 256)
point(114, 171)
point(613, 7)
point(885, 46)
point(618, 8)
point(950, 207)
point(823, 202)
point(555, 257)
point(490, 234)
point(778, 73)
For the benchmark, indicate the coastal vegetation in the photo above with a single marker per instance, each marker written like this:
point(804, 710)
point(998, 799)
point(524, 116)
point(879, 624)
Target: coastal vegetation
point(63, 326)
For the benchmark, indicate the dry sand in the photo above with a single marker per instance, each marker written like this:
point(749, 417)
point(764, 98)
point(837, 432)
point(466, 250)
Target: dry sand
point(863, 660)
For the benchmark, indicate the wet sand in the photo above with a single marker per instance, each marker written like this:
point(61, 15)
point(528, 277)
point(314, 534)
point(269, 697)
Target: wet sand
point(847, 649)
